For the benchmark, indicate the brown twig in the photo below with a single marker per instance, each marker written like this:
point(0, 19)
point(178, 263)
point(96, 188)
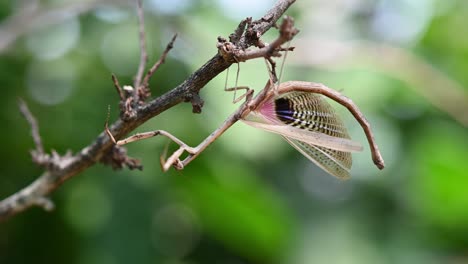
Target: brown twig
point(143, 53)
point(187, 91)
point(118, 88)
point(38, 154)
point(126, 99)
point(34, 126)
point(239, 31)
point(158, 63)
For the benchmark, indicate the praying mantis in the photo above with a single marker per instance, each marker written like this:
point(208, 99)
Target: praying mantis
point(297, 111)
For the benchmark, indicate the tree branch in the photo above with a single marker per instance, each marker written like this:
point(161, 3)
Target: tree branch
point(158, 63)
point(62, 168)
point(34, 126)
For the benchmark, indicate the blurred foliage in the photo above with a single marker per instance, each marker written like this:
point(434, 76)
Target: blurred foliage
point(249, 198)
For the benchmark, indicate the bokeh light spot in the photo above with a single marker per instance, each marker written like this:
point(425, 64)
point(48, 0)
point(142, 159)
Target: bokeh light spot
point(88, 208)
point(176, 230)
point(402, 21)
point(168, 7)
point(236, 9)
point(111, 14)
point(321, 185)
point(53, 41)
point(120, 50)
point(51, 82)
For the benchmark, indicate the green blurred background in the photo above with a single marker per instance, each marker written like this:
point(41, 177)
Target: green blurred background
point(250, 197)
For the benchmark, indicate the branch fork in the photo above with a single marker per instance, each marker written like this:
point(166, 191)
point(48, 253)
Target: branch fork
point(136, 111)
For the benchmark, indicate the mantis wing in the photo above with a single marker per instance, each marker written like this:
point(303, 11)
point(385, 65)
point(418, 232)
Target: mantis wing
point(310, 125)
point(335, 162)
point(310, 137)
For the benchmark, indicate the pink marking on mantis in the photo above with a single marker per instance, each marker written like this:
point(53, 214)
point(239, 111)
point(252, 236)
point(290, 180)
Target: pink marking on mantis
point(267, 110)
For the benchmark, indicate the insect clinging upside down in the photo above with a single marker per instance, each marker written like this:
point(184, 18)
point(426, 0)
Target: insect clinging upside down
point(297, 111)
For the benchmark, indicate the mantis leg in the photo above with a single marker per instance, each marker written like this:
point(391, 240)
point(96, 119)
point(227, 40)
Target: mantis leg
point(234, 89)
point(175, 159)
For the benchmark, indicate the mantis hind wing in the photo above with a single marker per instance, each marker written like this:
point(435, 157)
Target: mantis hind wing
point(335, 162)
point(310, 137)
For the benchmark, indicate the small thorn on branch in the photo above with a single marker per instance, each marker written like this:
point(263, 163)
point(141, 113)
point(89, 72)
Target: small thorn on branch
point(45, 203)
point(197, 103)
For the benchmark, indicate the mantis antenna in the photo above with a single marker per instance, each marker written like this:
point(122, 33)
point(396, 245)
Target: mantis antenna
point(283, 62)
point(235, 85)
point(235, 88)
point(227, 77)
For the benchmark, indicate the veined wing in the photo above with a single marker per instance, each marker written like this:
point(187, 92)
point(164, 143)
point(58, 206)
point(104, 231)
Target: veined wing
point(305, 117)
point(310, 137)
point(335, 162)
point(310, 125)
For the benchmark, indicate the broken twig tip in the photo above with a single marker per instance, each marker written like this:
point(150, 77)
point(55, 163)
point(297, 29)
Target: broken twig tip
point(45, 203)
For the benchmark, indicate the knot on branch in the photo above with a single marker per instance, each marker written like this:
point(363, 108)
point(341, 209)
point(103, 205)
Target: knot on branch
point(117, 158)
point(252, 36)
point(196, 101)
point(287, 29)
point(126, 103)
point(246, 34)
point(54, 162)
point(143, 93)
point(227, 50)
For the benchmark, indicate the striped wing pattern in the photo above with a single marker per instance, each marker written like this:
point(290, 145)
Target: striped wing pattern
point(335, 162)
point(310, 112)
